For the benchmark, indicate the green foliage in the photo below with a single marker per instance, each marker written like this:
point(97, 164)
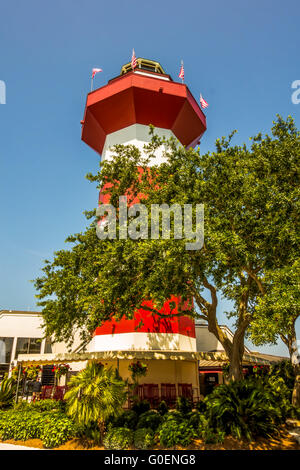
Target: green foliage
point(201, 406)
point(52, 428)
point(128, 419)
point(172, 433)
point(173, 415)
point(40, 405)
point(184, 405)
point(285, 371)
point(162, 408)
point(212, 436)
point(194, 419)
point(57, 429)
point(7, 390)
point(118, 438)
point(141, 406)
point(243, 409)
point(143, 438)
point(95, 394)
point(150, 419)
point(137, 369)
point(251, 200)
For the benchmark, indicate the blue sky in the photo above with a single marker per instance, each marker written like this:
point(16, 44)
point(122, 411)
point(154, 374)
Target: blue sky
point(242, 57)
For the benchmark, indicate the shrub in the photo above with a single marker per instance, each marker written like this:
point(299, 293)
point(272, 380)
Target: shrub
point(194, 419)
point(243, 409)
point(95, 394)
point(212, 436)
point(201, 406)
point(57, 429)
point(173, 415)
point(162, 408)
point(141, 406)
point(118, 438)
point(172, 433)
point(143, 438)
point(7, 390)
point(20, 425)
point(52, 428)
point(40, 405)
point(184, 405)
point(128, 419)
point(150, 419)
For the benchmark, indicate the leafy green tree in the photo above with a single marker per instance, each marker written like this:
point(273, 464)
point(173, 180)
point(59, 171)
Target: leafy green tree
point(95, 394)
point(250, 196)
point(276, 314)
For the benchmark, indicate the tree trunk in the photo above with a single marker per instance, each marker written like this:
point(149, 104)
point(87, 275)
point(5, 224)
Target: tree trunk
point(234, 349)
point(101, 426)
point(235, 363)
point(295, 360)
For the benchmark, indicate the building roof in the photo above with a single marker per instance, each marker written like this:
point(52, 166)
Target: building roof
point(12, 312)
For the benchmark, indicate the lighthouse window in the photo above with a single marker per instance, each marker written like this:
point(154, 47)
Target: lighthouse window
point(148, 67)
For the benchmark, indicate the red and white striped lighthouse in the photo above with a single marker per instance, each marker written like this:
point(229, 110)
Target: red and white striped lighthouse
point(120, 113)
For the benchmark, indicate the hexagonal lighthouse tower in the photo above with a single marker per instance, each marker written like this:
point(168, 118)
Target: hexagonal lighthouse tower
point(120, 113)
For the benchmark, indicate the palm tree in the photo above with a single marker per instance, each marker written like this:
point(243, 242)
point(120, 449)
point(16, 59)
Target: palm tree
point(95, 394)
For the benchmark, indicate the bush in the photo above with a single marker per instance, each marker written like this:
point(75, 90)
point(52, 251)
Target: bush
point(128, 419)
point(172, 433)
point(211, 436)
point(7, 390)
point(184, 405)
point(201, 406)
point(141, 406)
point(174, 416)
point(40, 405)
point(194, 419)
point(57, 429)
point(243, 409)
point(162, 408)
point(118, 438)
point(52, 428)
point(143, 438)
point(150, 419)
point(20, 425)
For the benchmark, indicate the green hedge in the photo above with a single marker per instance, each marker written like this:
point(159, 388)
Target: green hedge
point(53, 428)
point(143, 438)
point(173, 433)
point(150, 419)
point(118, 438)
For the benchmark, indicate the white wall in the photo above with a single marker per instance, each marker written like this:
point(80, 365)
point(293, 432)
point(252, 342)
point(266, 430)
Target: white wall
point(137, 135)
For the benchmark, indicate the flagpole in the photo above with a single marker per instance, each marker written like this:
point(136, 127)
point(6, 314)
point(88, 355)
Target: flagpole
point(92, 84)
point(182, 66)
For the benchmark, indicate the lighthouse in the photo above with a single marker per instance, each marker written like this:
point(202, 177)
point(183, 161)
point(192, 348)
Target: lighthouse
point(120, 113)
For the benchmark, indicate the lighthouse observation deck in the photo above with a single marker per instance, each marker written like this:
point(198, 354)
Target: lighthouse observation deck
point(138, 98)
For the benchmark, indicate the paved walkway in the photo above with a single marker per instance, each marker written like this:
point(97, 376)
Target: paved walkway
point(15, 447)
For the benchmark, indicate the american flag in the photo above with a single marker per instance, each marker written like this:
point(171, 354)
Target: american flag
point(94, 71)
point(203, 103)
point(133, 60)
point(181, 73)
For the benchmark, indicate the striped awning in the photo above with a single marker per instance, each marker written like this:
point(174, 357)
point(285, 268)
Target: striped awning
point(206, 359)
point(27, 359)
